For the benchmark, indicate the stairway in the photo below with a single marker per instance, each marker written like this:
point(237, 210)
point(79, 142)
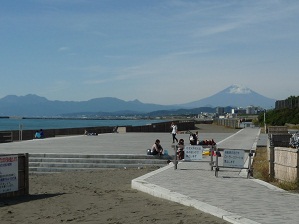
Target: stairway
point(54, 162)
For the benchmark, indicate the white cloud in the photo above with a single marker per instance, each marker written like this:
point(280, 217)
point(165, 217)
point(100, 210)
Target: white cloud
point(63, 49)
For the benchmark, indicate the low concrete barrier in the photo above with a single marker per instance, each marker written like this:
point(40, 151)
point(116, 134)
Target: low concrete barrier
point(154, 127)
point(279, 136)
point(6, 136)
point(283, 160)
point(277, 129)
point(232, 123)
point(286, 164)
point(162, 127)
point(280, 140)
point(48, 133)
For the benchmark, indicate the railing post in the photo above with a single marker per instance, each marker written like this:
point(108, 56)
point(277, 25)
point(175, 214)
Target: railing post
point(272, 159)
point(217, 167)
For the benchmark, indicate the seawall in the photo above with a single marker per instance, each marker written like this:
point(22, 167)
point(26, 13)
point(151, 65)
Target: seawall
point(8, 136)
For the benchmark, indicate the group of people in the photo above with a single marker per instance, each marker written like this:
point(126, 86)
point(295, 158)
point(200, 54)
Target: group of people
point(207, 142)
point(157, 149)
point(194, 140)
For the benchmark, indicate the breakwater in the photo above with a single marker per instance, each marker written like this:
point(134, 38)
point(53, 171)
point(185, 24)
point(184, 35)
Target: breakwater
point(17, 135)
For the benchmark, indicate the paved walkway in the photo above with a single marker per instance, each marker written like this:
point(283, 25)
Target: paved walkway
point(230, 196)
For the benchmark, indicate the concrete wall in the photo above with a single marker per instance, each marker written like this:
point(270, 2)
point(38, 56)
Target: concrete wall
point(29, 134)
point(279, 136)
point(6, 136)
point(232, 123)
point(162, 127)
point(286, 164)
point(283, 161)
point(281, 140)
point(155, 127)
point(277, 129)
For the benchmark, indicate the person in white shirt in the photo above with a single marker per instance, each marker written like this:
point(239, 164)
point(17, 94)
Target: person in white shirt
point(174, 132)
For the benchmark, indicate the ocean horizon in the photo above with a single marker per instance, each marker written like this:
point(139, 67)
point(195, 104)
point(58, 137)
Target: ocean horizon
point(11, 124)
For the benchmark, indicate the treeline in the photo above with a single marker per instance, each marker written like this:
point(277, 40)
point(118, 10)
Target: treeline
point(280, 117)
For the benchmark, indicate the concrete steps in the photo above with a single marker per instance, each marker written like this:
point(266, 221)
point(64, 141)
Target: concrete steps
point(54, 162)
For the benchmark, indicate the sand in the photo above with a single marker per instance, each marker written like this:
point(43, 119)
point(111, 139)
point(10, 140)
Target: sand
point(103, 196)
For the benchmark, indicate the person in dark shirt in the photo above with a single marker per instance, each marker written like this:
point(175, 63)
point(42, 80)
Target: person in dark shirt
point(157, 148)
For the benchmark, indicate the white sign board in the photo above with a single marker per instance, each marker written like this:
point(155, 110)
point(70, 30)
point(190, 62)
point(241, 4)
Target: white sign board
point(8, 174)
point(193, 153)
point(233, 158)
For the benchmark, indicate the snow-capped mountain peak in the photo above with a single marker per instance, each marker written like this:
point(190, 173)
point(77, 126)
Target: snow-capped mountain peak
point(235, 96)
point(238, 89)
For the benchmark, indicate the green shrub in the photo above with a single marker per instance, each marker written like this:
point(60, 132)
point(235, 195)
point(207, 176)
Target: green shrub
point(280, 117)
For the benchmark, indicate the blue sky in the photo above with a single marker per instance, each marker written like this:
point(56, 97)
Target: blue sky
point(156, 51)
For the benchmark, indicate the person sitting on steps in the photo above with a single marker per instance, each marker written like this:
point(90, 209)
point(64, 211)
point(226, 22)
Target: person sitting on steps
point(157, 148)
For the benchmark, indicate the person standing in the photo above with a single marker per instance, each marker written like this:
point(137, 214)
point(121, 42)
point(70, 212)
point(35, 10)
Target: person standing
point(174, 132)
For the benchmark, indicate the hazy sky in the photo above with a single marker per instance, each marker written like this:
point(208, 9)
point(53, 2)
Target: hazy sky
point(156, 51)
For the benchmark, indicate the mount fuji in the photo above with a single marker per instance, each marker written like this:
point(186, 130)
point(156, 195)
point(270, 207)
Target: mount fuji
point(234, 96)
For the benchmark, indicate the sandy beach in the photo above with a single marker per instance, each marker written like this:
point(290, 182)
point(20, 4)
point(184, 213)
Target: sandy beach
point(102, 196)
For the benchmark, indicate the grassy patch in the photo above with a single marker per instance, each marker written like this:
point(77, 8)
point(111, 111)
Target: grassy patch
point(261, 165)
point(288, 186)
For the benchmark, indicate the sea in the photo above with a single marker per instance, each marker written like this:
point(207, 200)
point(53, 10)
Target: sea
point(10, 124)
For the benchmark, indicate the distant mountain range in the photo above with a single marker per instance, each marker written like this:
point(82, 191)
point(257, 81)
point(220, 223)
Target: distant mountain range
point(32, 105)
